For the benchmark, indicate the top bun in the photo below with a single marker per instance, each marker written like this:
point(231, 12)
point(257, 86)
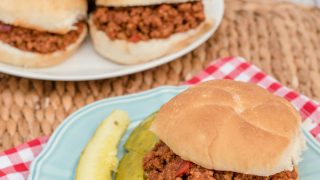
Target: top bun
point(58, 16)
point(232, 126)
point(119, 3)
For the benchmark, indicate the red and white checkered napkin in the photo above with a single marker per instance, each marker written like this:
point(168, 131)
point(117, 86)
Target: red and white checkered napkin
point(14, 163)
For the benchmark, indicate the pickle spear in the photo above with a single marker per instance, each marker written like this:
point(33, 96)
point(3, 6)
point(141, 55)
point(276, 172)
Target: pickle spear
point(130, 167)
point(141, 139)
point(98, 159)
point(138, 144)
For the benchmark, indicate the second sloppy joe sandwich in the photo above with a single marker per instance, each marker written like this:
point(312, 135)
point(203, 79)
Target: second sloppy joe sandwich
point(38, 33)
point(130, 32)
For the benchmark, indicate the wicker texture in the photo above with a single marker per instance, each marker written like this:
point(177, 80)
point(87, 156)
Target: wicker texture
point(283, 39)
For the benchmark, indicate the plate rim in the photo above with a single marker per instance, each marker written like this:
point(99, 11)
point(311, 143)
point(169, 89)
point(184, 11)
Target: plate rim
point(126, 71)
point(71, 119)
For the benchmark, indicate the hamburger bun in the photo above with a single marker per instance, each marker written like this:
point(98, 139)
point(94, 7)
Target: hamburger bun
point(232, 126)
point(125, 52)
point(57, 16)
point(17, 57)
point(119, 3)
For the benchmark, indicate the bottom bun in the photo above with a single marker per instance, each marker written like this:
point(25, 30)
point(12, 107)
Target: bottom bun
point(17, 57)
point(125, 52)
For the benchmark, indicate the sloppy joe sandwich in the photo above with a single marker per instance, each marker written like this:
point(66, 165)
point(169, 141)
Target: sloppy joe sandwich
point(225, 129)
point(40, 33)
point(130, 32)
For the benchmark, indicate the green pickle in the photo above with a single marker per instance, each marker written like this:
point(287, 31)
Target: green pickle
point(130, 167)
point(140, 141)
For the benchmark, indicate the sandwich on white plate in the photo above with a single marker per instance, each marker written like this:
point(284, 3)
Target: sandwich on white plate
point(41, 33)
point(137, 31)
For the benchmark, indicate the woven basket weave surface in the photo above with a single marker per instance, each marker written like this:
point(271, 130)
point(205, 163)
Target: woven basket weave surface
point(283, 39)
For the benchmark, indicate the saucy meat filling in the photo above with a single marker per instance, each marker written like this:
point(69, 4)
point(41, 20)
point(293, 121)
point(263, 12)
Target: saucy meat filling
point(38, 41)
point(142, 23)
point(162, 164)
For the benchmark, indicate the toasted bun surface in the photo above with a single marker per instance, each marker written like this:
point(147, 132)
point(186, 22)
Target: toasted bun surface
point(117, 3)
point(125, 52)
point(57, 16)
point(17, 57)
point(232, 126)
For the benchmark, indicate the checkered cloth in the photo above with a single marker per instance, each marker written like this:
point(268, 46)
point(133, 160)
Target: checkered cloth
point(14, 163)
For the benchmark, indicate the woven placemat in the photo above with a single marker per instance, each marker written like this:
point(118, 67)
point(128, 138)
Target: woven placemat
point(282, 39)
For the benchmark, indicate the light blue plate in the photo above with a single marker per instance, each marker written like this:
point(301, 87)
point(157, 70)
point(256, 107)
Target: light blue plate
point(59, 158)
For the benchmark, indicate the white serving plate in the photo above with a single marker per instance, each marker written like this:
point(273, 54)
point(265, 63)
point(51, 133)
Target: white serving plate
point(86, 64)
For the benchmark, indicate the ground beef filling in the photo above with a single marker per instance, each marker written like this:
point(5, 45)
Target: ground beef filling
point(148, 22)
point(162, 164)
point(38, 41)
